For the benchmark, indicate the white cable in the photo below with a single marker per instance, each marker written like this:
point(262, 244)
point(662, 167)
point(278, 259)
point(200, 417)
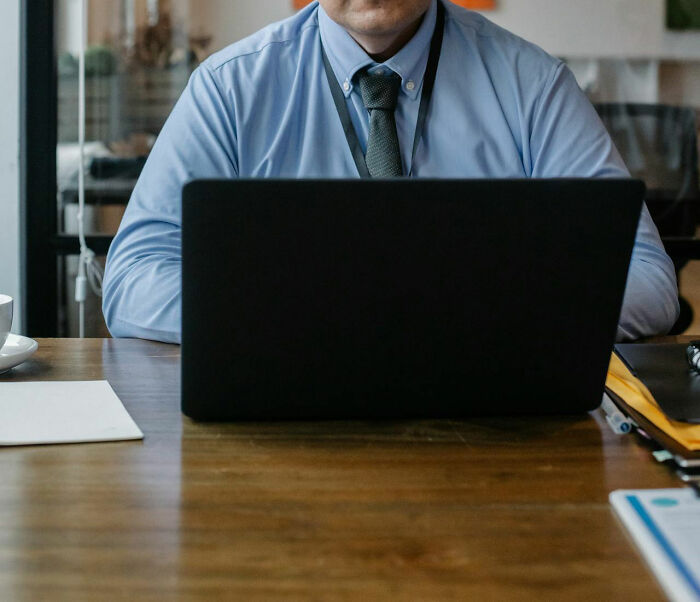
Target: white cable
point(89, 270)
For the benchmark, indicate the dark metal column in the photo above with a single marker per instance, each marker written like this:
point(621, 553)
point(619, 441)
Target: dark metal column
point(38, 168)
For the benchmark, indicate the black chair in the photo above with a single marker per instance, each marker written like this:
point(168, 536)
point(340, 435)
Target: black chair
point(659, 145)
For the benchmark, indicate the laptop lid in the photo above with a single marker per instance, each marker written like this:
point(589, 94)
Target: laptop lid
point(401, 298)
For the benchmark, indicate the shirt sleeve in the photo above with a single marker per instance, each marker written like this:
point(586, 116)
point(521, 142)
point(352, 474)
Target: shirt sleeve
point(142, 284)
point(568, 139)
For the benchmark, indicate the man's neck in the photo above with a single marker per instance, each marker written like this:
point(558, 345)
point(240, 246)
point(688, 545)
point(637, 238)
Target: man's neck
point(383, 47)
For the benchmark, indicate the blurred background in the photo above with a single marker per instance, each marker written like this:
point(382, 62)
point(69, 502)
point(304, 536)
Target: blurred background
point(638, 60)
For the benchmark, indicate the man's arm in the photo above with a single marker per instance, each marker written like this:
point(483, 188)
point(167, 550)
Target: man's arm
point(567, 138)
point(142, 285)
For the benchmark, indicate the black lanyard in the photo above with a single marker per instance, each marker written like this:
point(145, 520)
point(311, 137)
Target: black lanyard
point(428, 84)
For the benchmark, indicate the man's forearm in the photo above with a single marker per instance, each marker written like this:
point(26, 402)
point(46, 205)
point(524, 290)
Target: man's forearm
point(144, 301)
point(650, 305)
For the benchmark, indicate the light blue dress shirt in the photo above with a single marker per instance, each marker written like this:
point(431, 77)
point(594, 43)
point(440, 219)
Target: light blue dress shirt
point(501, 108)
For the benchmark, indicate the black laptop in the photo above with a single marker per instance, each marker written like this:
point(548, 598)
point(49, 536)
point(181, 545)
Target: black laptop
point(364, 299)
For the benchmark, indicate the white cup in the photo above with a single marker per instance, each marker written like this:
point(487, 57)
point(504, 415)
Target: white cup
point(5, 318)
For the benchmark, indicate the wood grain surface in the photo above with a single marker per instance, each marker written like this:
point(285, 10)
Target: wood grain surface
point(487, 509)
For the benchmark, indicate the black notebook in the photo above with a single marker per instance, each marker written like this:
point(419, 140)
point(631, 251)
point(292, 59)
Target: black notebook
point(664, 370)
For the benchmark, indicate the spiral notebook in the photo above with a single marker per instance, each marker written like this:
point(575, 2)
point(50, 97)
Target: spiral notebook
point(664, 370)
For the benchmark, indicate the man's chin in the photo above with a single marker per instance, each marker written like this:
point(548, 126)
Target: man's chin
point(378, 28)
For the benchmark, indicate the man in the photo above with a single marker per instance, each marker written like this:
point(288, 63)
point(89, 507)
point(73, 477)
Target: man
point(264, 107)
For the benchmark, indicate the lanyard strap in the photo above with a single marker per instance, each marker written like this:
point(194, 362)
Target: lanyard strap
point(428, 85)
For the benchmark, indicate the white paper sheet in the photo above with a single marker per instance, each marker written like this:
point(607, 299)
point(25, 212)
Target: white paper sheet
point(63, 412)
point(665, 525)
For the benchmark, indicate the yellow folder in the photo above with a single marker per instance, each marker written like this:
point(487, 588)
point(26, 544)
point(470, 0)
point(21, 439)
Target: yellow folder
point(633, 392)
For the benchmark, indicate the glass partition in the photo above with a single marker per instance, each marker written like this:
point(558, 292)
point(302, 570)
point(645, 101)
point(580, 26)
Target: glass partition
point(140, 55)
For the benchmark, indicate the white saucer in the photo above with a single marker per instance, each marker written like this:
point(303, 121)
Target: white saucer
point(16, 350)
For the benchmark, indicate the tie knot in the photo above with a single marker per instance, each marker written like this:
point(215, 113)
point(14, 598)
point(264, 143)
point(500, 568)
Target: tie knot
point(379, 91)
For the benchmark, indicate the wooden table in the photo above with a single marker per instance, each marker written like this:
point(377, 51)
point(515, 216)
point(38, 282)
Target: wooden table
point(433, 510)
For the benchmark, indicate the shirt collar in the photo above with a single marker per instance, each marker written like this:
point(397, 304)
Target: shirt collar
point(347, 57)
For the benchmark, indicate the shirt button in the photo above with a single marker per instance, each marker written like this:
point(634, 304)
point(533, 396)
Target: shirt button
point(380, 71)
point(346, 85)
point(410, 84)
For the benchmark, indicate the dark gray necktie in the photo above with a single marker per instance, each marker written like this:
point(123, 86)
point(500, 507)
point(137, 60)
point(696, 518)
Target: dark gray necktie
point(379, 94)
